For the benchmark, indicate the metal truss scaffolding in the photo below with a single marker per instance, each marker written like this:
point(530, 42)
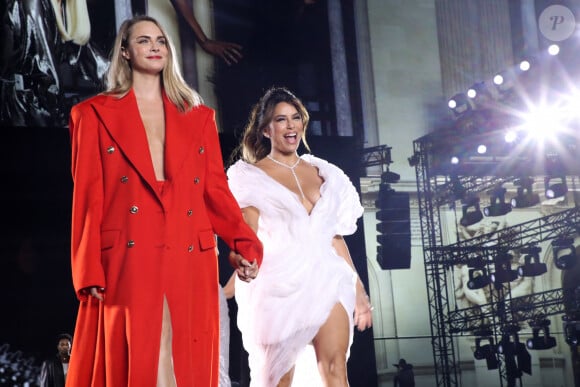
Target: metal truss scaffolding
point(437, 187)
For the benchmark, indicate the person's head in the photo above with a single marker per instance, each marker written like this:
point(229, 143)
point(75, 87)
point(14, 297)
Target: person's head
point(275, 113)
point(64, 344)
point(142, 45)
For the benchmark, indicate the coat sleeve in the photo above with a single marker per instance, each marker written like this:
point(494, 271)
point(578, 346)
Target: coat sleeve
point(87, 206)
point(224, 211)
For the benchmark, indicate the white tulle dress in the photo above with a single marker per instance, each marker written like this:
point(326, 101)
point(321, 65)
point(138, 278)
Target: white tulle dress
point(301, 277)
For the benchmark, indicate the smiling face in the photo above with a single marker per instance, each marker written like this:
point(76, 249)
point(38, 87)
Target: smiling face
point(285, 129)
point(146, 48)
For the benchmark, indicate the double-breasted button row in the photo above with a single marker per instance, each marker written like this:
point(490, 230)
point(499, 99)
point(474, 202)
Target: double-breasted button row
point(134, 209)
point(189, 212)
point(196, 180)
point(189, 248)
point(110, 149)
point(130, 243)
point(201, 150)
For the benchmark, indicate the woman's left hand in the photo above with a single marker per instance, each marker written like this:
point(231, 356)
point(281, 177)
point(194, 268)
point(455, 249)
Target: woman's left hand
point(363, 316)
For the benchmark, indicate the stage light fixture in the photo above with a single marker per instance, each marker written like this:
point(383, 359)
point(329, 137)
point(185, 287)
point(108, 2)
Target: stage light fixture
point(532, 266)
point(477, 278)
point(553, 49)
point(525, 65)
point(555, 190)
point(516, 356)
point(479, 94)
point(459, 104)
point(503, 272)
point(497, 206)
point(541, 342)
point(525, 196)
point(511, 136)
point(571, 329)
point(471, 212)
point(564, 253)
point(487, 352)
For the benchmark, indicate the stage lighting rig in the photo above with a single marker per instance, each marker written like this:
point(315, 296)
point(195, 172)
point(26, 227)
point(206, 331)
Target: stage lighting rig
point(532, 266)
point(571, 329)
point(503, 271)
point(541, 342)
point(478, 278)
point(487, 352)
point(459, 104)
point(471, 212)
point(497, 205)
point(525, 196)
point(564, 253)
point(555, 190)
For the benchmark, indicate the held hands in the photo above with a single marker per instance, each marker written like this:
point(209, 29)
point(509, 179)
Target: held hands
point(229, 52)
point(363, 310)
point(246, 270)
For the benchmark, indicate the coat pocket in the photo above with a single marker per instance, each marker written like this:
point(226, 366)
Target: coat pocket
point(109, 238)
point(206, 240)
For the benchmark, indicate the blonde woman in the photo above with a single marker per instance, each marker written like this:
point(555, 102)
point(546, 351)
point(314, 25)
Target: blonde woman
point(150, 193)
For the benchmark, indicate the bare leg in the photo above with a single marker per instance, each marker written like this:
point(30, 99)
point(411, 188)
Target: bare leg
point(286, 380)
point(165, 373)
point(331, 345)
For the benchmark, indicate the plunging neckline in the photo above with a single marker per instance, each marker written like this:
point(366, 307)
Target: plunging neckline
point(292, 193)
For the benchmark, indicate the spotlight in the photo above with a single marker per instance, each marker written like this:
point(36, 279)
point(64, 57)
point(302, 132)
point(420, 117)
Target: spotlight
point(525, 65)
point(487, 352)
point(513, 351)
point(459, 104)
point(555, 190)
point(471, 211)
point(481, 149)
point(541, 342)
point(532, 266)
point(525, 196)
point(511, 136)
point(503, 271)
point(564, 253)
point(479, 94)
point(572, 332)
point(497, 206)
point(554, 49)
point(389, 177)
point(457, 188)
point(478, 279)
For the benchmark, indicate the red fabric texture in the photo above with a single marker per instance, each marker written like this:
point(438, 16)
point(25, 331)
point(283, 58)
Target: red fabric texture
point(141, 244)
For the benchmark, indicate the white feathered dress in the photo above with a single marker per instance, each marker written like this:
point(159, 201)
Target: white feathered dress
point(301, 277)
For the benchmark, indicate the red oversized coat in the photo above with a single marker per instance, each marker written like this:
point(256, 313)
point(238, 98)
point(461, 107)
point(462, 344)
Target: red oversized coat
point(142, 245)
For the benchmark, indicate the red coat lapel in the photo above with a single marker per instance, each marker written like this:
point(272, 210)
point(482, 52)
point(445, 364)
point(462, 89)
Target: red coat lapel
point(181, 129)
point(122, 120)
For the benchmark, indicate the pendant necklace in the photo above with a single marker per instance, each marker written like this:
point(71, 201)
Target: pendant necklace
point(291, 168)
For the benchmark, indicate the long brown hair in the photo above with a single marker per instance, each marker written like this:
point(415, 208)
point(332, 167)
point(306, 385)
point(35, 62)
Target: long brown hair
point(119, 78)
point(254, 145)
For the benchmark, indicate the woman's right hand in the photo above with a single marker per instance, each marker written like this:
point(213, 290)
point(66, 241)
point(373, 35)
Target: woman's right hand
point(98, 293)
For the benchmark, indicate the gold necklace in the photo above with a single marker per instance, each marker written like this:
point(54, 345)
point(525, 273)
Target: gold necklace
point(291, 168)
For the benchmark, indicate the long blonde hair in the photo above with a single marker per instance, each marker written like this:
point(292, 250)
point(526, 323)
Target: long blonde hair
point(254, 145)
point(119, 78)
